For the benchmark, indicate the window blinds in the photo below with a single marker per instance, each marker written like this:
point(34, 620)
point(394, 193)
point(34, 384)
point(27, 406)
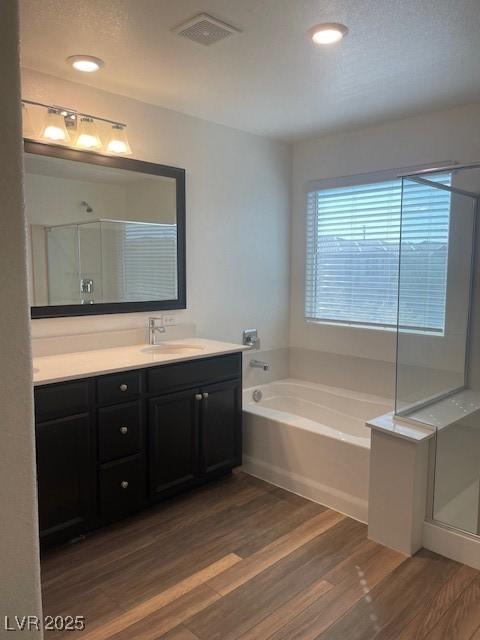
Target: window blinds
point(150, 261)
point(353, 244)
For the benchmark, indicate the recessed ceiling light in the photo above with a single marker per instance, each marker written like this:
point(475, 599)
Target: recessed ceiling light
point(327, 33)
point(88, 64)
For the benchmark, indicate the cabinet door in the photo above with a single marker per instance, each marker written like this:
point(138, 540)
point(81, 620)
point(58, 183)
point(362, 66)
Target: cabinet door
point(221, 426)
point(66, 477)
point(173, 435)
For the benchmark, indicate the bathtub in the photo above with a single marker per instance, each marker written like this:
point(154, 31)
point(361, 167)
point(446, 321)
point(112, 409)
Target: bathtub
point(311, 439)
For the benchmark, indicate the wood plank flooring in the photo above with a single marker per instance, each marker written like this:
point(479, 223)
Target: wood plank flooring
point(240, 559)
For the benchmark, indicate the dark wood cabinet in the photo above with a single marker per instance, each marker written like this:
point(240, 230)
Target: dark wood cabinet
point(65, 399)
point(121, 487)
point(66, 477)
point(174, 438)
point(220, 426)
point(110, 445)
point(120, 431)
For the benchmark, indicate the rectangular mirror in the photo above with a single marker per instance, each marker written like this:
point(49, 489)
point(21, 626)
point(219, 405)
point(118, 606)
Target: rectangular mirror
point(105, 234)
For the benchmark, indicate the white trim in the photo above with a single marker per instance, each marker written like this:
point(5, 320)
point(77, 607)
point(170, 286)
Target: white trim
point(373, 176)
point(349, 505)
point(452, 544)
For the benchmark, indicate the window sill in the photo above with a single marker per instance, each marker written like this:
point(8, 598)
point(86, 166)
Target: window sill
point(347, 325)
point(375, 327)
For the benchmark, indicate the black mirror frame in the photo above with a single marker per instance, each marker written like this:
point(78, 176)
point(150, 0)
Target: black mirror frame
point(129, 164)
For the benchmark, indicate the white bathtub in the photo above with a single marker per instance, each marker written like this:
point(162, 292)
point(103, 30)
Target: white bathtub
point(311, 439)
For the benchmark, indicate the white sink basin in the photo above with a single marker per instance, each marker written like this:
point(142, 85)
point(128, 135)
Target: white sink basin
point(173, 349)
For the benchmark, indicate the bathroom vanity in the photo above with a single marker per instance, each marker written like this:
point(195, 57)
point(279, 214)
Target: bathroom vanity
point(112, 440)
point(118, 429)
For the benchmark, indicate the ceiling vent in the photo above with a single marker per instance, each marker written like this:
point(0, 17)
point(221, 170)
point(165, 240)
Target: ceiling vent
point(205, 30)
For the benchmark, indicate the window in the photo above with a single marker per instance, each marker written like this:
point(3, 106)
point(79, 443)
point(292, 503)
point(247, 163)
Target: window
point(353, 240)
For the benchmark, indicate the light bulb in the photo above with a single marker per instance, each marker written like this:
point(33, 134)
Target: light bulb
point(328, 33)
point(55, 128)
point(87, 64)
point(87, 136)
point(117, 141)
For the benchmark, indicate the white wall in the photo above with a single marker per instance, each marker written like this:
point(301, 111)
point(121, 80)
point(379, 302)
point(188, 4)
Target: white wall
point(238, 210)
point(19, 563)
point(452, 135)
point(51, 201)
point(152, 201)
point(57, 200)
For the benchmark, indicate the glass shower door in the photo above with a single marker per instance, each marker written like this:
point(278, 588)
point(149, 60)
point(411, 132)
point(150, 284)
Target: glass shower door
point(433, 341)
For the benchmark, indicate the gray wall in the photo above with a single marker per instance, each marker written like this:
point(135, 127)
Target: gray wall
point(19, 562)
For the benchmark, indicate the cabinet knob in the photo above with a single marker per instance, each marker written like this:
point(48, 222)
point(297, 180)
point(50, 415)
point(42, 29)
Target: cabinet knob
point(205, 396)
point(124, 484)
point(123, 430)
point(198, 397)
point(123, 387)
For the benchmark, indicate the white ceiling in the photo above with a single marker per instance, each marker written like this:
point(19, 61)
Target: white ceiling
point(401, 57)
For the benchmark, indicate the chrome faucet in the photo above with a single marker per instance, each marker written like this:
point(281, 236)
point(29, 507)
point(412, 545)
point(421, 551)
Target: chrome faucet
point(155, 326)
point(258, 364)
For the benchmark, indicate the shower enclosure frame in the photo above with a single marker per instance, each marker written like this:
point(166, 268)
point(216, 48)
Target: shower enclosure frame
point(417, 176)
point(421, 177)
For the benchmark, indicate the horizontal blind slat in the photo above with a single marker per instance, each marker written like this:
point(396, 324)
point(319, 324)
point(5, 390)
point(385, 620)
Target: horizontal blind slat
point(353, 245)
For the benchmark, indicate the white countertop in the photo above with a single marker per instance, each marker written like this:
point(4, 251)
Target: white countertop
point(400, 428)
point(84, 364)
point(449, 410)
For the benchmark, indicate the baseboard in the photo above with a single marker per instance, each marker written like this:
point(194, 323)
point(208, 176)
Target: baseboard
point(452, 544)
point(350, 506)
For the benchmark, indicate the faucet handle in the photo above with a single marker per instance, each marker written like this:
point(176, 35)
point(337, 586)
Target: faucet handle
point(250, 338)
point(155, 325)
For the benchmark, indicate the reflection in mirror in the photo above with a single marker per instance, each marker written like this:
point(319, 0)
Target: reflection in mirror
point(99, 234)
point(107, 261)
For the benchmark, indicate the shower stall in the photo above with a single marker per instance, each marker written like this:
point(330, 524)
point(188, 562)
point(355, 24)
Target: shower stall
point(438, 338)
point(107, 260)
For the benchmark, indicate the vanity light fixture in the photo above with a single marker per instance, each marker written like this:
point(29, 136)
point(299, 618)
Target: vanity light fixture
point(87, 64)
point(118, 141)
point(328, 33)
point(81, 130)
point(27, 127)
point(55, 129)
point(87, 136)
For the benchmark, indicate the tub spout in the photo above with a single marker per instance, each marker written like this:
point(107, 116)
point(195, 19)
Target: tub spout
point(257, 364)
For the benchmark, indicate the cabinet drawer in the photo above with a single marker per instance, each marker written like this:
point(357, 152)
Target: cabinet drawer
point(60, 400)
point(119, 433)
point(193, 373)
point(119, 387)
point(122, 487)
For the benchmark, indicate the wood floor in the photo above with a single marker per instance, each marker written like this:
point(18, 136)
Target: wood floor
point(241, 559)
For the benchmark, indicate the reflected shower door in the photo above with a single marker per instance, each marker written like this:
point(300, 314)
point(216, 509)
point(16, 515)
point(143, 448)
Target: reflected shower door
point(63, 265)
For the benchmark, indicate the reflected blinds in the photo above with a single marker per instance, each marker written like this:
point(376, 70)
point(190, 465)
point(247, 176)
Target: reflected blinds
point(150, 261)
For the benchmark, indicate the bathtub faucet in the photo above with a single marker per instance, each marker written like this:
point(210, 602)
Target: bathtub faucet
point(257, 364)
